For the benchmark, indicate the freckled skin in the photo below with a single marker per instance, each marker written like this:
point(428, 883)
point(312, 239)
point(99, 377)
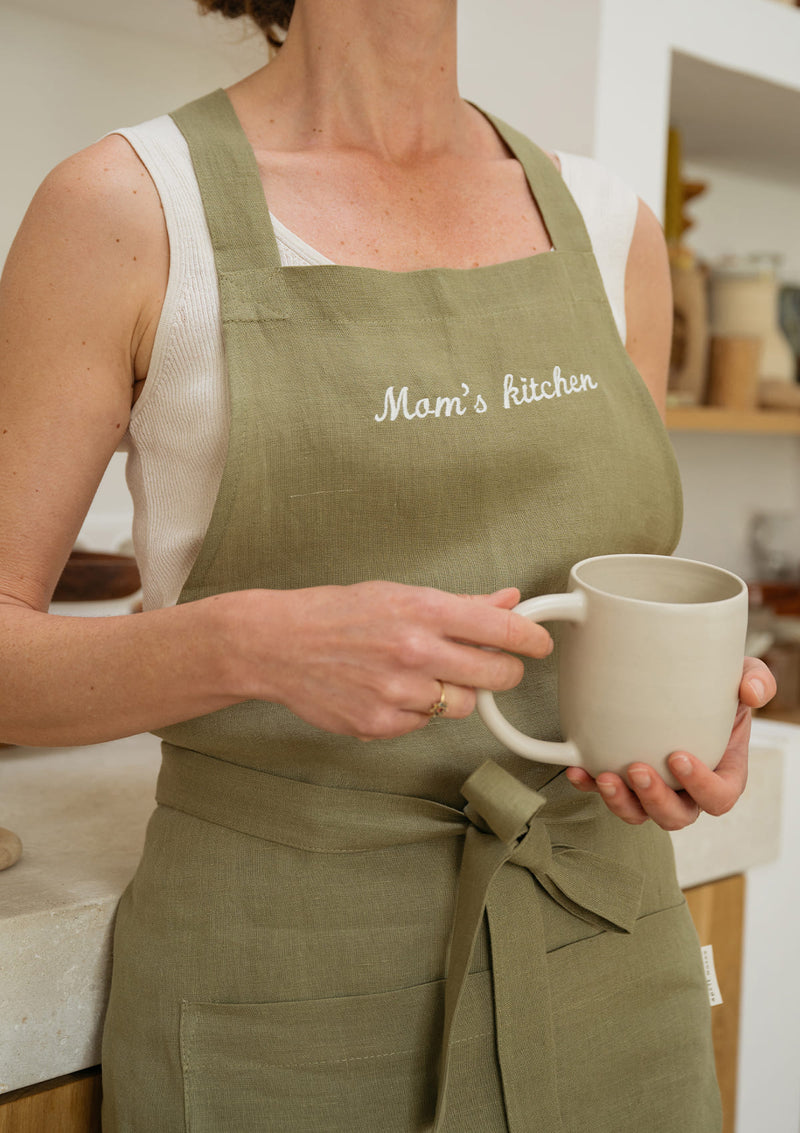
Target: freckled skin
point(429, 210)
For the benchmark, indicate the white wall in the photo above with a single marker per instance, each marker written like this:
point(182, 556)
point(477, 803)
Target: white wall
point(726, 480)
point(769, 1042)
point(533, 62)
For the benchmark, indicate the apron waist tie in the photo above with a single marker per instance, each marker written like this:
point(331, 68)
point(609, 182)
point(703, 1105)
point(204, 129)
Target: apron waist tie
point(513, 835)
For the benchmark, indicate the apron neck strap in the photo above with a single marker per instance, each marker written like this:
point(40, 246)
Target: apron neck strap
point(561, 215)
point(227, 174)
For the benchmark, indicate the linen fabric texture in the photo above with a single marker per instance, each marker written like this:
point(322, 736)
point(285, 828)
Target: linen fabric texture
point(426, 933)
point(177, 436)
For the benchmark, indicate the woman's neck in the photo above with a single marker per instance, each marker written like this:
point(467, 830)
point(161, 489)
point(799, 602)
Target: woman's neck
point(367, 75)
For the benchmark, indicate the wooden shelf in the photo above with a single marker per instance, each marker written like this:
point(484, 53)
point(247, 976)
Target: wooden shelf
point(709, 419)
point(782, 715)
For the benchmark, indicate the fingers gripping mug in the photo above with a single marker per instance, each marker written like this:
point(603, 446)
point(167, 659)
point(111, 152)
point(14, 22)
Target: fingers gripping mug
point(650, 663)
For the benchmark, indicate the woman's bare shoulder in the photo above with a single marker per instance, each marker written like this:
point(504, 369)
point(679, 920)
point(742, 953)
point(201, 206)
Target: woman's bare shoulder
point(94, 238)
point(102, 194)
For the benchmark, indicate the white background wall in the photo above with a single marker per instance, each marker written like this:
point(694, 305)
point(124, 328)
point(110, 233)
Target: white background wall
point(769, 1039)
point(591, 76)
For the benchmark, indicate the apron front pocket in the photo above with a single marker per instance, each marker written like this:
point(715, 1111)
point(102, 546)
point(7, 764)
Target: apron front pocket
point(340, 1065)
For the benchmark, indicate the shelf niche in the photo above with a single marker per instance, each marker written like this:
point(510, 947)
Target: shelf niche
point(736, 120)
point(742, 126)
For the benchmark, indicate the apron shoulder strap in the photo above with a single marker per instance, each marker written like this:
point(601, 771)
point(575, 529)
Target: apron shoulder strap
point(562, 217)
point(230, 185)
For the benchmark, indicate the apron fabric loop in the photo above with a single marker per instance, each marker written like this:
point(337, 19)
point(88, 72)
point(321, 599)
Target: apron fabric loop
point(504, 805)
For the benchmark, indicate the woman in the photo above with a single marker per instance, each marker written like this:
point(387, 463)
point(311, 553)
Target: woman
point(280, 957)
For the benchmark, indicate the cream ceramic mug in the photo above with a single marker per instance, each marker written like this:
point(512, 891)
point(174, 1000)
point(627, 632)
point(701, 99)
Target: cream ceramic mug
point(649, 663)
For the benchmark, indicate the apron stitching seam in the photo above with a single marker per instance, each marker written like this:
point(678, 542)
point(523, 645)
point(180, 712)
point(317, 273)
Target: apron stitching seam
point(368, 1057)
point(415, 320)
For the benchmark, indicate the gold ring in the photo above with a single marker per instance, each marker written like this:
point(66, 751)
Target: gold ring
point(439, 707)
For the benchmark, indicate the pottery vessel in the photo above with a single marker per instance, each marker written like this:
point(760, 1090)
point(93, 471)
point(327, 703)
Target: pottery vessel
point(650, 663)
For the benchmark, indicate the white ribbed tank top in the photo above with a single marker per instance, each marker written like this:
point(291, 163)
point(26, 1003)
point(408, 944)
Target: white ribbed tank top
point(176, 442)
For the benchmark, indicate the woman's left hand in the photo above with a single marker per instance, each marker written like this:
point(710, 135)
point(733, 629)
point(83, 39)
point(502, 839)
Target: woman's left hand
point(703, 790)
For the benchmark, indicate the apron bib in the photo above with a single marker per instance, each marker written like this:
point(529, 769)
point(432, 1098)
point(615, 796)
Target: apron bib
point(321, 935)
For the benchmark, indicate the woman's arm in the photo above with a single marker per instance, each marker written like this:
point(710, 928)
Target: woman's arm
point(648, 310)
point(80, 299)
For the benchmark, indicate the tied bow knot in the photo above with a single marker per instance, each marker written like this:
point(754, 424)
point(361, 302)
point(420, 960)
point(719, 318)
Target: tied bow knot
point(530, 833)
point(511, 824)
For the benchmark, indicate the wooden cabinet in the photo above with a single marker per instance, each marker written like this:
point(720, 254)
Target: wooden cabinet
point(718, 913)
point(66, 1105)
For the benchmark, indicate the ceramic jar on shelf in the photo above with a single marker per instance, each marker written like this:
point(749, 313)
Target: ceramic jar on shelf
point(744, 297)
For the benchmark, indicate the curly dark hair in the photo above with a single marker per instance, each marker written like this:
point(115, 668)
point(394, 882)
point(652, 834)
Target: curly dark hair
point(271, 16)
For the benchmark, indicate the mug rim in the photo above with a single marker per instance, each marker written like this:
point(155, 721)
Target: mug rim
point(742, 585)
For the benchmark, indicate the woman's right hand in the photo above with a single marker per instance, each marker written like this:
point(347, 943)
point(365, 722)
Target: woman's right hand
point(367, 660)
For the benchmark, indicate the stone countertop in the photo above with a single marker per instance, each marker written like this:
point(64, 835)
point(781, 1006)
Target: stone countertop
point(749, 835)
point(81, 814)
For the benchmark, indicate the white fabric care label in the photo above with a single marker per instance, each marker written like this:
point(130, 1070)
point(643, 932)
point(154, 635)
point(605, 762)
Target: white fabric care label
point(714, 994)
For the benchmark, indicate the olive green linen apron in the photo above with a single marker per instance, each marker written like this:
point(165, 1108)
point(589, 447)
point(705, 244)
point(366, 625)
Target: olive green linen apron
point(425, 933)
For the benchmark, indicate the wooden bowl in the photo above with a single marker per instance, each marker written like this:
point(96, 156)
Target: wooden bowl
point(97, 576)
point(10, 848)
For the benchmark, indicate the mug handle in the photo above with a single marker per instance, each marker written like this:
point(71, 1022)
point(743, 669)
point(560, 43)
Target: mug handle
point(569, 607)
